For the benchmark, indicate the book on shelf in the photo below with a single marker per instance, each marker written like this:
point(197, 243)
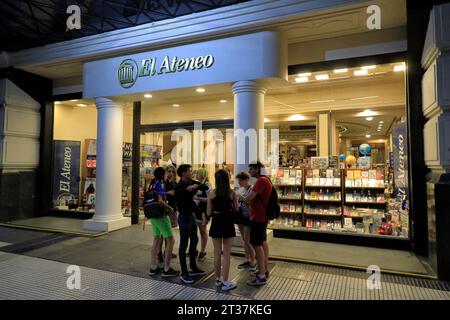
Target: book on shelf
point(323, 224)
point(337, 225)
point(292, 208)
point(299, 174)
point(316, 173)
point(337, 182)
point(309, 181)
point(329, 173)
point(291, 181)
point(323, 181)
point(365, 174)
point(309, 223)
point(329, 182)
point(309, 174)
point(280, 173)
point(286, 173)
point(298, 180)
point(348, 223)
point(298, 209)
point(316, 224)
point(316, 181)
point(350, 175)
point(292, 173)
point(373, 174)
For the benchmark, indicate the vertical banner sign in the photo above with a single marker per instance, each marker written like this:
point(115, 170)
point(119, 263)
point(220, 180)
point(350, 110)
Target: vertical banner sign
point(66, 174)
point(401, 160)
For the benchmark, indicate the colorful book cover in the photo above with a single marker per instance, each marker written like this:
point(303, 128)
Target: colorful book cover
point(291, 181)
point(373, 174)
point(323, 173)
point(292, 208)
point(350, 175)
point(330, 173)
point(309, 174)
point(329, 182)
point(364, 174)
point(309, 181)
point(298, 174)
point(336, 173)
point(298, 180)
point(309, 223)
point(336, 182)
point(357, 174)
point(316, 181)
point(292, 173)
point(380, 174)
point(316, 224)
point(323, 182)
point(280, 173)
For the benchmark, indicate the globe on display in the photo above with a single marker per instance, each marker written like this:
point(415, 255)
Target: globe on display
point(365, 149)
point(342, 157)
point(350, 161)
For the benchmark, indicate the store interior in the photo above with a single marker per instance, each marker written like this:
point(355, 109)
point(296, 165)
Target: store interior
point(361, 107)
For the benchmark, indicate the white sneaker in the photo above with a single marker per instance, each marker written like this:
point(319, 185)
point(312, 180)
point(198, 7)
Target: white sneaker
point(227, 285)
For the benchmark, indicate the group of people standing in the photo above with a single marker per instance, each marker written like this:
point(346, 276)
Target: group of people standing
point(198, 204)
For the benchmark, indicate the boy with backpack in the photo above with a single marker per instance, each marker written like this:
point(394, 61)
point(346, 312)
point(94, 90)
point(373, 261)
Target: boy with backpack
point(263, 202)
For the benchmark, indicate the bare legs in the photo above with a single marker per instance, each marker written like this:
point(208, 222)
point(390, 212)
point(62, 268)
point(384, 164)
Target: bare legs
point(222, 268)
point(203, 236)
point(156, 249)
point(157, 242)
point(249, 251)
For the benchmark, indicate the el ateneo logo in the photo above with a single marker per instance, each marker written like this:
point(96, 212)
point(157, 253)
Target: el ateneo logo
point(130, 71)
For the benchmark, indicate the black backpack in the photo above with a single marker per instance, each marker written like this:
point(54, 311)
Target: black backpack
point(152, 208)
point(273, 207)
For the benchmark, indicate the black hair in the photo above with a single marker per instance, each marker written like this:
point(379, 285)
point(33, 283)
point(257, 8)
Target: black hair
point(182, 169)
point(257, 165)
point(159, 173)
point(222, 183)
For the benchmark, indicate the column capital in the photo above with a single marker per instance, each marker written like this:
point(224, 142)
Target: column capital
point(102, 103)
point(248, 86)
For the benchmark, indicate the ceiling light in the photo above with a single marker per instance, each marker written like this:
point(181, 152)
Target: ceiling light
point(200, 90)
point(366, 113)
point(307, 74)
point(57, 102)
point(296, 117)
point(323, 101)
point(368, 135)
point(368, 67)
point(322, 77)
point(310, 142)
point(175, 105)
point(223, 101)
point(148, 96)
point(301, 79)
point(82, 105)
point(381, 140)
point(364, 98)
point(266, 120)
point(74, 100)
point(360, 73)
point(369, 118)
point(381, 121)
point(400, 67)
point(341, 70)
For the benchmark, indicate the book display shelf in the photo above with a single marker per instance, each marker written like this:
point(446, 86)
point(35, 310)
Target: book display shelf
point(335, 200)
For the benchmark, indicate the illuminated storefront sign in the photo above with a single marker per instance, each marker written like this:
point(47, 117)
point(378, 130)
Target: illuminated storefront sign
point(129, 70)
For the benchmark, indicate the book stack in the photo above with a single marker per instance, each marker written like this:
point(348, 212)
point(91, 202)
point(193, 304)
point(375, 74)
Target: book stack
point(323, 177)
point(365, 178)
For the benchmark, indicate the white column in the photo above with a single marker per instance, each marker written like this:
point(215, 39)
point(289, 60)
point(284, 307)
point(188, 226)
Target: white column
point(108, 196)
point(248, 114)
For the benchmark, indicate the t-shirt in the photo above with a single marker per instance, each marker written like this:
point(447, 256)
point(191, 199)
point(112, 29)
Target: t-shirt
point(170, 185)
point(184, 198)
point(263, 188)
point(160, 189)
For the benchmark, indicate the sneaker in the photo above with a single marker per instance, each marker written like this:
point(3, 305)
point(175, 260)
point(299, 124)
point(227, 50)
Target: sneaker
point(219, 283)
point(201, 256)
point(257, 281)
point(227, 285)
point(170, 273)
point(244, 265)
point(196, 272)
point(186, 279)
point(154, 272)
point(252, 267)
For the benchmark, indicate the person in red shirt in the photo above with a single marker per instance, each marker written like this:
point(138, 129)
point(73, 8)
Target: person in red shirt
point(258, 200)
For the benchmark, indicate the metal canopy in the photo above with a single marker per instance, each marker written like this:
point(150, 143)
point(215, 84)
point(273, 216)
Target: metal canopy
point(32, 23)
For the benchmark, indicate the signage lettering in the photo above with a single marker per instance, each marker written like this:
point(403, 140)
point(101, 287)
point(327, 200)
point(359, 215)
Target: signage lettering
point(129, 71)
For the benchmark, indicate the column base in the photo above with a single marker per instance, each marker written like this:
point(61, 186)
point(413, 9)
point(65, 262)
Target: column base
point(107, 226)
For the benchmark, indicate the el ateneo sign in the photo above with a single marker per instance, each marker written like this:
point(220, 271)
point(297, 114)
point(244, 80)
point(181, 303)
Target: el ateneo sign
point(260, 55)
point(129, 70)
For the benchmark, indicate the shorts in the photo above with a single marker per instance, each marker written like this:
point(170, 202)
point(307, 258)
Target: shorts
point(245, 221)
point(162, 227)
point(258, 233)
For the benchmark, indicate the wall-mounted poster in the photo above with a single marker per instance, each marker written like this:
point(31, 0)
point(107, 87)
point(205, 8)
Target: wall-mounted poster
point(66, 174)
point(319, 162)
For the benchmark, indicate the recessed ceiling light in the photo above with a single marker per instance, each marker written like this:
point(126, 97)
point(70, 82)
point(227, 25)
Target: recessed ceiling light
point(301, 79)
point(323, 101)
point(364, 98)
point(321, 77)
point(57, 102)
point(74, 100)
point(296, 117)
point(400, 67)
point(82, 105)
point(368, 67)
point(148, 96)
point(381, 121)
point(223, 101)
point(200, 90)
point(306, 74)
point(341, 70)
point(369, 118)
point(266, 120)
point(381, 140)
point(310, 142)
point(366, 113)
point(360, 73)
point(175, 105)
point(368, 135)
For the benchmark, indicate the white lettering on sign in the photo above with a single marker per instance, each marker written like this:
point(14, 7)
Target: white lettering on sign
point(129, 71)
point(64, 184)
